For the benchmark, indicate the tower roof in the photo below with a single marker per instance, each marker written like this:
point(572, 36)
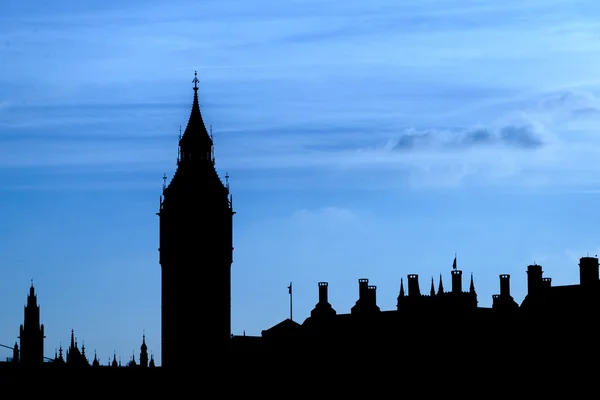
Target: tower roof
point(195, 135)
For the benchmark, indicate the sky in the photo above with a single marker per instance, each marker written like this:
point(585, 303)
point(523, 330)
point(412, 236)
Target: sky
point(362, 139)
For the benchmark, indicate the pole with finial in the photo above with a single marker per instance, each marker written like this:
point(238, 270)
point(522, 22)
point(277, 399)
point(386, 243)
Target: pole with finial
point(290, 293)
point(164, 182)
point(195, 81)
point(227, 180)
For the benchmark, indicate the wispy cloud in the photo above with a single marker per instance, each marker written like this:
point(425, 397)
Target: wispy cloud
point(537, 145)
point(426, 89)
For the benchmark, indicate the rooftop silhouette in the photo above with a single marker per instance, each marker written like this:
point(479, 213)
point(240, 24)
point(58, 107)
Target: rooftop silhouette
point(197, 196)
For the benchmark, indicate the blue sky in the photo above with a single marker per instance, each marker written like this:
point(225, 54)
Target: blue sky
point(363, 140)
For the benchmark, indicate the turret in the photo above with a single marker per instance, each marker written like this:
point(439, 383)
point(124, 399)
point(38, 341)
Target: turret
point(144, 353)
point(534, 279)
point(588, 271)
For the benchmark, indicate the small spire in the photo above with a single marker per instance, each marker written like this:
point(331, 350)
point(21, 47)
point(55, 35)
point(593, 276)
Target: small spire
point(179, 132)
point(432, 291)
point(227, 180)
point(440, 286)
point(401, 287)
point(472, 286)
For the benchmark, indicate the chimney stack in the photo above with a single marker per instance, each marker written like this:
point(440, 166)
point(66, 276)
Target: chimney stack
point(505, 285)
point(588, 271)
point(323, 292)
point(372, 290)
point(456, 281)
point(413, 285)
point(534, 278)
point(546, 282)
point(363, 285)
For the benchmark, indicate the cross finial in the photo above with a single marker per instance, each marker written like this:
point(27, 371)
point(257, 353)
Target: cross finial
point(195, 81)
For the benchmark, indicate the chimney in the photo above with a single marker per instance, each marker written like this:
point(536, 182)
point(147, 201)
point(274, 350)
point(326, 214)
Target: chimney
point(546, 282)
point(372, 290)
point(363, 287)
point(534, 278)
point(323, 292)
point(505, 285)
point(588, 271)
point(413, 285)
point(456, 281)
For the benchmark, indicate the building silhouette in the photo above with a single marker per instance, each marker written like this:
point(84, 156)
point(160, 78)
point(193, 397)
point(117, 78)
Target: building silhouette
point(30, 353)
point(196, 246)
point(31, 333)
point(196, 237)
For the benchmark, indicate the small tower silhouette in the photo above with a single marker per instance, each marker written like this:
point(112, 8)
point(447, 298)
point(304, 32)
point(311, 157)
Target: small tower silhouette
point(32, 333)
point(144, 353)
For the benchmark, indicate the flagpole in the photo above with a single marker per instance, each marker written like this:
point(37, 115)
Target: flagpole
point(290, 292)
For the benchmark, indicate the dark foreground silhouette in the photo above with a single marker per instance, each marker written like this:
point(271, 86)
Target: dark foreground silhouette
point(428, 334)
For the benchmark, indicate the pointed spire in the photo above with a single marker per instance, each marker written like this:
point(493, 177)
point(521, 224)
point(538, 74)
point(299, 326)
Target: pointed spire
point(432, 291)
point(195, 142)
point(72, 338)
point(401, 288)
point(440, 286)
point(472, 286)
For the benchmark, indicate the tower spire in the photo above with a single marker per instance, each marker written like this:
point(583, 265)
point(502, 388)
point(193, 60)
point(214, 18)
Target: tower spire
point(432, 291)
point(472, 286)
point(195, 143)
point(440, 286)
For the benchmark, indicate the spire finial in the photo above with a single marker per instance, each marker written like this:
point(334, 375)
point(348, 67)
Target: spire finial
point(164, 182)
point(227, 180)
point(179, 132)
point(31, 282)
point(195, 81)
